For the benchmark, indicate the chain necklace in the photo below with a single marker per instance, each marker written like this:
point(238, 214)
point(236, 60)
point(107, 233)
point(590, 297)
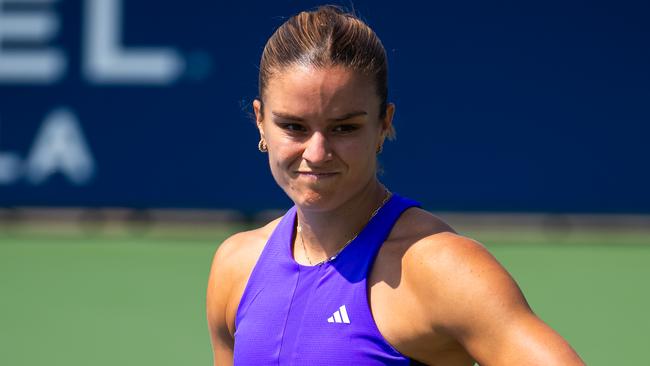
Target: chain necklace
point(302, 241)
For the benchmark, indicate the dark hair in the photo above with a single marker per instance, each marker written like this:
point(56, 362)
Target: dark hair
point(327, 36)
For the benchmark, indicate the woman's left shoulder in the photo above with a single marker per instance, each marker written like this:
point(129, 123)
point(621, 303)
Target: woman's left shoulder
point(447, 271)
point(429, 247)
point(416, 223)
point(444, 275)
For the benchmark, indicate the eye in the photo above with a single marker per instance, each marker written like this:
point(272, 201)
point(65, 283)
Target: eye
point(347, 128)
point(293, 127)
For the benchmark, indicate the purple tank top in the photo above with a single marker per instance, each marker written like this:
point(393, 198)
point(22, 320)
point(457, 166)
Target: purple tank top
point(291, 314)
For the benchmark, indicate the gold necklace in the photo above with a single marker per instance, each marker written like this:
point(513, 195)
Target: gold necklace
point(302, 241)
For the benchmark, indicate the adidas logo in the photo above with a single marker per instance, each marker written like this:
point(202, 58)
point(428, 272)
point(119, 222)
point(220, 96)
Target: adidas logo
point(340, 316)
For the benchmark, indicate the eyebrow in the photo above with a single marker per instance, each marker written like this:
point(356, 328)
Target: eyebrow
point(299, 119)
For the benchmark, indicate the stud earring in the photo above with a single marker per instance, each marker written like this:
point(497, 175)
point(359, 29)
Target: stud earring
point(380, 149)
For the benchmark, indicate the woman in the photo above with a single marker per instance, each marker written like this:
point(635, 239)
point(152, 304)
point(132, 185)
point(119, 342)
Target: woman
point(354, 274)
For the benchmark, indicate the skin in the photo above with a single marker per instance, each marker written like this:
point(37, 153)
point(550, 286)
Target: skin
point(457, 304)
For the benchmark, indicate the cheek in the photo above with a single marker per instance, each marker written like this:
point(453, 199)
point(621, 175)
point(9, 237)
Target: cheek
point(282, 157)
point(282, 154)
point(278, 170)
point(276, 162)
point(361, 151)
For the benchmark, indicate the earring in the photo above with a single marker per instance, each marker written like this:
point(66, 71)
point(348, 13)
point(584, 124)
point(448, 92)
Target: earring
point(261, 146)
point(380, 149)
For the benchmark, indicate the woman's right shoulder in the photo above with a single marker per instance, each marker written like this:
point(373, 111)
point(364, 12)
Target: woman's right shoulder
point(238, 254)
point(232, 265)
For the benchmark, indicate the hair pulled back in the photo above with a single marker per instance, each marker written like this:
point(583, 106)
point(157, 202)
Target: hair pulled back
point(326, 37)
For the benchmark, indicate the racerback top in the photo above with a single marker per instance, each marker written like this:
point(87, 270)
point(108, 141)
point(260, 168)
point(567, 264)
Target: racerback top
point(292, 314)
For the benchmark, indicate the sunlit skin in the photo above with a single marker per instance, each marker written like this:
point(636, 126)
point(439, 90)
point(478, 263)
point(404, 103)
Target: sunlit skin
point(323, 127)
point(435, 296)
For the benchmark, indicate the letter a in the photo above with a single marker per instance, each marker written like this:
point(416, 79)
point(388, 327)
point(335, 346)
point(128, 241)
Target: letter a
point(60, 147)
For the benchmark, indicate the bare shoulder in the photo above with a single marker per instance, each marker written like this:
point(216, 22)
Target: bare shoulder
point(457, 299)
point(450, 274)
point(415, 224)
point(241, 250)
point(235, 258)
point(467, 294)
point(408, 278)
point(452, 269)
point(428, 243)
point(232, 265)
point(421, 238)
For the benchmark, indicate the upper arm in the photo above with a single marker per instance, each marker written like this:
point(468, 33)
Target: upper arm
point(480, 305)
point(220, 284)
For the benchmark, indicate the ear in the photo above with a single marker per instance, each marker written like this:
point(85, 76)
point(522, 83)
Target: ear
point(258, 108)
point(387, 123)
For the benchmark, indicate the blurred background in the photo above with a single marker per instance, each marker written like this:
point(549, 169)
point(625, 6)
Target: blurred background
point(128, 153)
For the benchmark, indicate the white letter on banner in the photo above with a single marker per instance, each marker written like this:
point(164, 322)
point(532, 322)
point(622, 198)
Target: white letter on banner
point(43, 66)
point(106, 62)
point(10, 167)
point(60, 147)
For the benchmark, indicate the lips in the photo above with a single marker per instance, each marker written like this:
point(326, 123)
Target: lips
point(316, 175)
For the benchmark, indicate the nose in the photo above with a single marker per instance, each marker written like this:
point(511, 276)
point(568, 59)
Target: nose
point(317, 149)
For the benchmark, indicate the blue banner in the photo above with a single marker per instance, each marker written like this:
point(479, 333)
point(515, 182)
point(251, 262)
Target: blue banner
point(500, 106)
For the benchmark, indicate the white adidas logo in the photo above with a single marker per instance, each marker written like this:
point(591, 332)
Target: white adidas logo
point(340, 316)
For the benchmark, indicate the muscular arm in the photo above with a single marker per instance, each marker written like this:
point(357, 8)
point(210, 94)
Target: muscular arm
point(217, 299)
point(476, 301)
point(231, 267)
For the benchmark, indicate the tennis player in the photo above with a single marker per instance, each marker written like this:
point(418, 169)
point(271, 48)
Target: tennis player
point(353, 274)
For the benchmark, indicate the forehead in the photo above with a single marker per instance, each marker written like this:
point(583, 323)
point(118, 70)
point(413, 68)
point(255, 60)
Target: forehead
point(308, 90)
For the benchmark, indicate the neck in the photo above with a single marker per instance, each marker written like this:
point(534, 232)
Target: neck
point(324, 233)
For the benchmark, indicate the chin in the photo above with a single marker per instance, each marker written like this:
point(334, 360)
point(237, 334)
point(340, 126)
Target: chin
point(313, 199)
